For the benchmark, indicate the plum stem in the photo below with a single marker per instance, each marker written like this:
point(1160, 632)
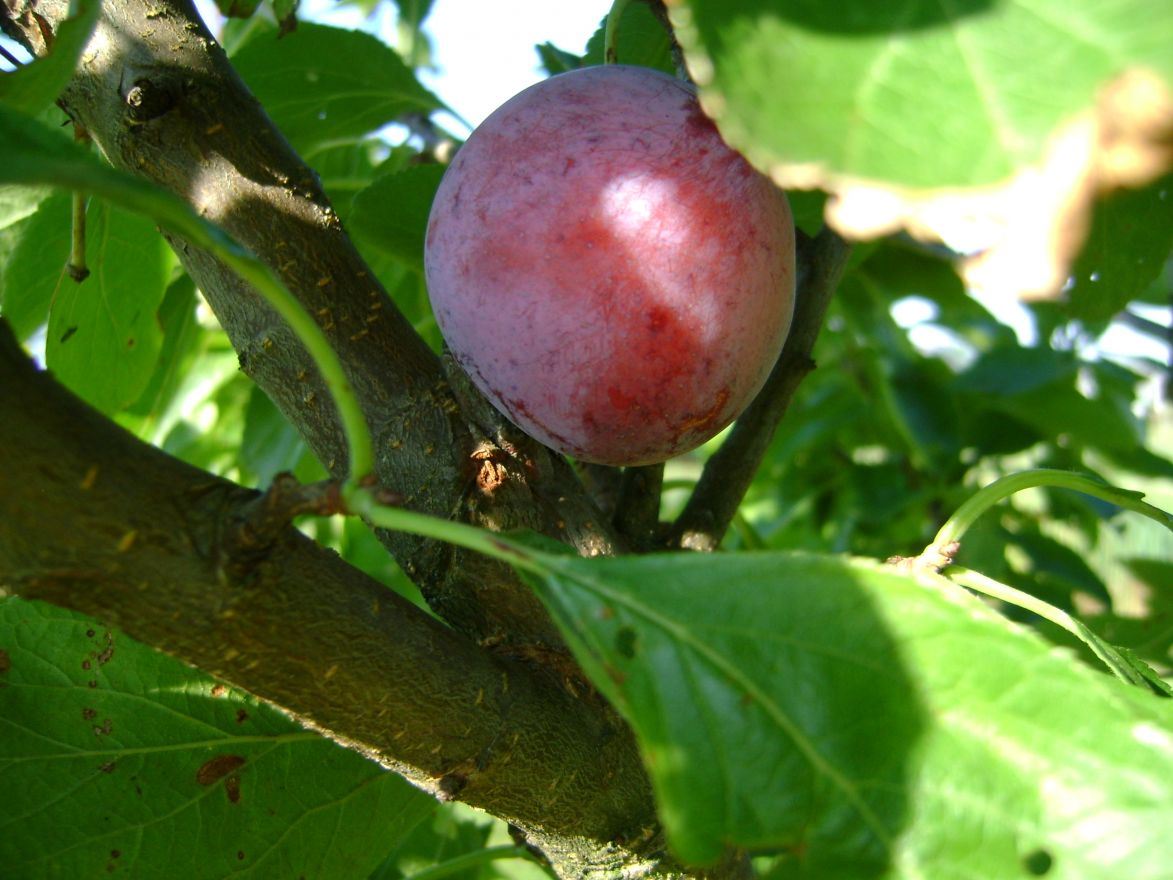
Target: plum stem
point(637, 515)
point(730, 470)
point(611, 30)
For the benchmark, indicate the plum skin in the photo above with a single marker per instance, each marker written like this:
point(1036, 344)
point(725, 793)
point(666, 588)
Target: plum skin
point(610, 274)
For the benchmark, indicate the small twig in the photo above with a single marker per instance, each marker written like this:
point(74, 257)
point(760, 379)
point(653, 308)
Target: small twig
point(729, 472)
point(10, 58)
point(76, 267)
point(637, 515)
point(253, 534)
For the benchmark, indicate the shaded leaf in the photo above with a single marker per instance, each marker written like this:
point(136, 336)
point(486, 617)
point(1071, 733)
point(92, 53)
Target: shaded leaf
point(269, 445)
point(1130, 240)
point(238, 8)
point(392, 213)
point(1013, 370)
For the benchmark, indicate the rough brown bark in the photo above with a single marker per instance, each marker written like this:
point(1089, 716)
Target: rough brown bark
point(95, 520)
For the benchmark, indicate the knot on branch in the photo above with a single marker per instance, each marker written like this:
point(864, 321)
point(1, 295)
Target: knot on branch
point(257, 526)
point(151, 97)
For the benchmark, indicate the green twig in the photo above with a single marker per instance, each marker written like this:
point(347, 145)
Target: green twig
point(944, 546)
point(978, 582)
point(77, 268)
point(611, 31)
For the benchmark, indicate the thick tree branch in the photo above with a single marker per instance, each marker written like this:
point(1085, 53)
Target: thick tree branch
point(729, 472)
point(95, 520)
point(159, 97)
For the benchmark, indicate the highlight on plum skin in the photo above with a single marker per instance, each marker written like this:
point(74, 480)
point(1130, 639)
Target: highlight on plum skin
point(610, 274)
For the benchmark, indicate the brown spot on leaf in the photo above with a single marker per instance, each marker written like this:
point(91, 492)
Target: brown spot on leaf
point(219, 690)
point(89, 714)
point(217, 768)
point(5, 661)
point(241, 716)
point(232, 787)
point(108, 767)
point(107, 653)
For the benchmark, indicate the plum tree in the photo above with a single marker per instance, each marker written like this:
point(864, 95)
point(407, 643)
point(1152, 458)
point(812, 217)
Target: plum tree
point(613, 276)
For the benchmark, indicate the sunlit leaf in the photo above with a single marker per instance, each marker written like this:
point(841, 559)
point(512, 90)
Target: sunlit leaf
point(115, 758)
point(322, 83)
point(104, 335)
point(869, 723)
point(36, 85)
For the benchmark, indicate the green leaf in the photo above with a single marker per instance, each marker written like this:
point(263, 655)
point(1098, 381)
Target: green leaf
point(321, 83)
point(872, 723)
point(115, 758)
point(181, 340)
point(392, 213)
point(31, 153)
point(1012, 370)
point(555, 60)
point(286, 13)
point(238, 8)
point(640, 40)
point(1130, 240)
point(37, 85)
point(922, 93)
point(34, 265)
point(270, 445)
point(104, 335)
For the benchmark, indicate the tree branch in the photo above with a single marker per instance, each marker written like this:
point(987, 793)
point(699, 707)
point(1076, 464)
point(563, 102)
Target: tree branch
point(160, 98)
point(728, 473)
point(95, 520)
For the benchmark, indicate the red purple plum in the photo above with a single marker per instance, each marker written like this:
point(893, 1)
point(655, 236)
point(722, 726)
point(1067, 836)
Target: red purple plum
point(616, 279)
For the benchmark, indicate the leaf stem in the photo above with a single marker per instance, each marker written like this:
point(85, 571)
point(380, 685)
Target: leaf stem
point(980, 583)
point(365, 503)
point(611, 31)
point(942, 547)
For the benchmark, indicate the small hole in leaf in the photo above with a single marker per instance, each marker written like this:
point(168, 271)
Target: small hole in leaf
point(1038, 863)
